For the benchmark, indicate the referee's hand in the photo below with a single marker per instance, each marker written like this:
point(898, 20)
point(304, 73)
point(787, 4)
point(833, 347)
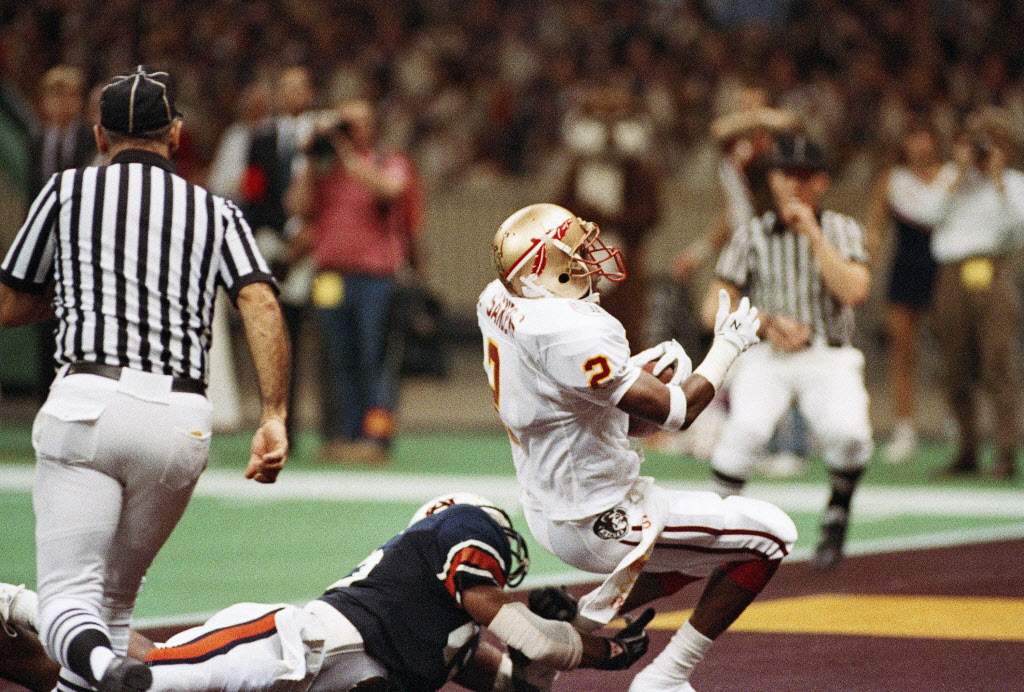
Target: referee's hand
point(268, 452)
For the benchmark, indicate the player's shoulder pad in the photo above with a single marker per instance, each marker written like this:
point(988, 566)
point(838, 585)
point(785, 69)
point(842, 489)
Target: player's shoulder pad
point(469, 522)
point(565, 315)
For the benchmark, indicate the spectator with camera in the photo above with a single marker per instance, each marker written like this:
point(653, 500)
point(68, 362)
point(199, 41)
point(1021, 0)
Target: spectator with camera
point(978, 226)
point(361, 211)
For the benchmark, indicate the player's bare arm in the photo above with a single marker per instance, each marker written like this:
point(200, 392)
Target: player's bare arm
point(650, 399)
point(270, 348)
point(19, 308)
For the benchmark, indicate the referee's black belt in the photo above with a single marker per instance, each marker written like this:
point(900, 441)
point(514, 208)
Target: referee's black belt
point(185, 385)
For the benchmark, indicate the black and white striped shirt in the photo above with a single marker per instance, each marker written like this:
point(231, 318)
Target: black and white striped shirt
point(136, 254)
point(777, 270)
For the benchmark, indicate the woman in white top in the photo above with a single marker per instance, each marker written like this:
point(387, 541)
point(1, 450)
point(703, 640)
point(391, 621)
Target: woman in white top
point(907, 194)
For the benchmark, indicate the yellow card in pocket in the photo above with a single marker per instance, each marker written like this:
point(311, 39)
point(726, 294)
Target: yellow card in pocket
point(328, 290)
point(976, 274)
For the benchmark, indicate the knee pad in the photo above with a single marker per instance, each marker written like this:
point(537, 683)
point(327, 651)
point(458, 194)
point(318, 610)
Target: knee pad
point(752, 575)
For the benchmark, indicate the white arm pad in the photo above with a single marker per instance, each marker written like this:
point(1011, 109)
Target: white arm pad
point(716, 363)
point(677, 409)
point(549, 642)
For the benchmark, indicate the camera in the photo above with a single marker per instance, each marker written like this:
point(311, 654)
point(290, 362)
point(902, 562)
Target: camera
point(321, 146)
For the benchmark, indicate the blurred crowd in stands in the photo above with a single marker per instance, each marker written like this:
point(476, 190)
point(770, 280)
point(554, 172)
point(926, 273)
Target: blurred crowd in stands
point(629, 92)
point(471, 86)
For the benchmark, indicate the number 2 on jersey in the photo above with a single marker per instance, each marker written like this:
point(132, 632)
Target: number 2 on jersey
point(598, 369)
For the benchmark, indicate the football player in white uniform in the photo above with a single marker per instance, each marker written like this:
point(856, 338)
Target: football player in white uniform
point(566, 388)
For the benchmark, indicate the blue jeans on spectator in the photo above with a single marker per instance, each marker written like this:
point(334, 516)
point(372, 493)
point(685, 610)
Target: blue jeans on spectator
point(356, 336)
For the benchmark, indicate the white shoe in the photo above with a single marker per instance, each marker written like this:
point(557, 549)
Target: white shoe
point(902, 446)
point(784, 465)
point(18, 606)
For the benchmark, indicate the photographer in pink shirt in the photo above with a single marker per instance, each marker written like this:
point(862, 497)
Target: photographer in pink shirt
point(362, 211)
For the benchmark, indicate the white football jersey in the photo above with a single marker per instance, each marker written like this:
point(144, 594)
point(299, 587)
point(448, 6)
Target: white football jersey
point(558, 367)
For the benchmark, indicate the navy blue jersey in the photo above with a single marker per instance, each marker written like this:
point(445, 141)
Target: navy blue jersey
point(405, 597)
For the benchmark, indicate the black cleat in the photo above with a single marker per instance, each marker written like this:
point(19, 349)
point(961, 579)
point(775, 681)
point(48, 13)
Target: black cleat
point(126, 675)
point(829, 552)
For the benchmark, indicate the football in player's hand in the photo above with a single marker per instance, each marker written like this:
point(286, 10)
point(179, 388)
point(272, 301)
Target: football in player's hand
point(638, 427)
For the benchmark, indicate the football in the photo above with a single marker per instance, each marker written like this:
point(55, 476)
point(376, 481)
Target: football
point(638, 427)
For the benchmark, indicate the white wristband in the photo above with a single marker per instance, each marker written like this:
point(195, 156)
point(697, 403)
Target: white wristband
point(677, 409)
point(720, 356)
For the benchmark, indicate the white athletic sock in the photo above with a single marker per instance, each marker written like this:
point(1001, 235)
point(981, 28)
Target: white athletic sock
point(99, 660)
point(670, 670)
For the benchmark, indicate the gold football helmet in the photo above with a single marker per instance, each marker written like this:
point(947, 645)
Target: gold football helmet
point(545, 250)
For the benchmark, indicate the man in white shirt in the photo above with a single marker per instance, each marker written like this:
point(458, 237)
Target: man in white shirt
point(976, 304)
point(566, 389)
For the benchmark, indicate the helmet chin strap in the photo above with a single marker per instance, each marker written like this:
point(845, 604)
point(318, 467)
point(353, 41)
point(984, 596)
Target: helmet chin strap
point(533, 290)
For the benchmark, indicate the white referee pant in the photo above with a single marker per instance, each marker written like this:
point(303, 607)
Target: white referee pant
point(253, 647)
point(827, 384)
point(117, 461)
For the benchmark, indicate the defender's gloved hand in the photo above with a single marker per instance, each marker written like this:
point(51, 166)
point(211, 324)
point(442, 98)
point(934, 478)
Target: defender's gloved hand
point(553, 603)
point(629, 645)
point(669, 353)
point(738, 327)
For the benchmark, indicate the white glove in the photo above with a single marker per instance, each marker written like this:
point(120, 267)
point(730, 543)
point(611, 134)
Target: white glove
point(669, 353)
point(738, 327)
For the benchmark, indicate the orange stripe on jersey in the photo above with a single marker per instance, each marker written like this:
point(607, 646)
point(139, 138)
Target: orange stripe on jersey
point(477, 558)
point(216, 642)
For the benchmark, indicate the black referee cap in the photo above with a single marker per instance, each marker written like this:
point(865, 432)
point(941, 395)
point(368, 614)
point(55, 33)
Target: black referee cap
point(138, 101)
point(795, 152)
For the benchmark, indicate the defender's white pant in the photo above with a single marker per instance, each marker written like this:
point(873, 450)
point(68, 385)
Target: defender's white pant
point(254, 647)
point(116, 465)
point(702, 530)
point(827, 384)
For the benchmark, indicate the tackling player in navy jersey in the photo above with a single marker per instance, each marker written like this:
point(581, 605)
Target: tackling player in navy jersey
point(407, 618)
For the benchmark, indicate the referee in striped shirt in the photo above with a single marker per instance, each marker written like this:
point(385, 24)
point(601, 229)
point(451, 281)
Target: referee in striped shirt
point(806, 270)
point(128, 258)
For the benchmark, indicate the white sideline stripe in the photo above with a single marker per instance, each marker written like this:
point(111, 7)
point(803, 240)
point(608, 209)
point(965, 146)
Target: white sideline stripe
point(869, 502)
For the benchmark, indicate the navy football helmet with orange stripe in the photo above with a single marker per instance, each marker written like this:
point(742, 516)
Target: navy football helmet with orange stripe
point(516, 572)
